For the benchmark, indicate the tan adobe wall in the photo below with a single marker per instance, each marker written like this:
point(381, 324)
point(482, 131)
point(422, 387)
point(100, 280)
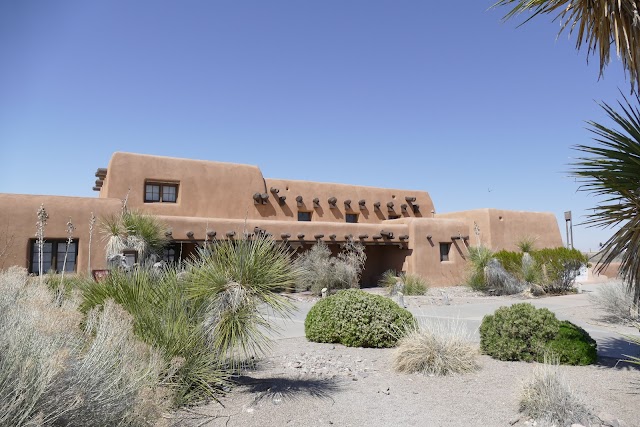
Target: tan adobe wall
point(19, 224)
point(224, 190)
point(309, 191)
point(503, 229)
point(206, 189)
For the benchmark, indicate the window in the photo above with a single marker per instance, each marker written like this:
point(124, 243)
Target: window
point(53, 256)
point(444, 251)
point(394, 216)
point(352, 218)
point(304, 216)
point(170, 254)
point(159, 192)
point(131, 257)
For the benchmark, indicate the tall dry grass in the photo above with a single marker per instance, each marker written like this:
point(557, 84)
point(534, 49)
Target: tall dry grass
point(438, 348)
point(54, 373)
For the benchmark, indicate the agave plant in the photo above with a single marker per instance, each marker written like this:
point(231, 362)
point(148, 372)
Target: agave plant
point(599, 25)
point(611, 170)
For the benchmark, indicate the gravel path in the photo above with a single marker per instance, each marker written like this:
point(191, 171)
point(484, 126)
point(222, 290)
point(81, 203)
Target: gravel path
point(309, 384)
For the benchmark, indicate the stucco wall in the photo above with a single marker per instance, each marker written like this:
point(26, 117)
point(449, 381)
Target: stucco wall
point(503, 229)
point(18, 225)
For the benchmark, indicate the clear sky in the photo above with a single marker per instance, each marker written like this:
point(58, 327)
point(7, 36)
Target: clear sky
point(436, 96)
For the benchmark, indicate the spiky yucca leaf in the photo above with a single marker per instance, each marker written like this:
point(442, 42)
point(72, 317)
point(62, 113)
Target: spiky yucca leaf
point(236, 283)
point(598, 24)
point(611, 170)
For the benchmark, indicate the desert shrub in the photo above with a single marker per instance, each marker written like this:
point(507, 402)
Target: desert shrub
point(527, 243)
point(572, 345)
point(479, 257)
point(318, 269)
point(439, 348)
point(499, 281)
point(616, 299)
point(413, 284)
point(510, 261)
point(134, 230)
point(356, 319)
point(518, 332)
point(548, 398)
point(523, 332)
point(388, 280)
point(236, 284)
point(71, 282)
point(165, 318)
point(560, 267)
point(53, 373)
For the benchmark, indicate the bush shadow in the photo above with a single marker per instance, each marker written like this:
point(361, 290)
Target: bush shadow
point(280, 389)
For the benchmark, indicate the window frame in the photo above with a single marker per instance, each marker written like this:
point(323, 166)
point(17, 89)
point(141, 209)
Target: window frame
point(57, 256)
point(445, 257)
point(162, 185)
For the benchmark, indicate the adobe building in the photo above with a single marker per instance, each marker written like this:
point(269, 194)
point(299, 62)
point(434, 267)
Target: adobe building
point(203, 200)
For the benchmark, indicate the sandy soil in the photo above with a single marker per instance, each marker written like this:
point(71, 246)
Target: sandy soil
point(310, 384)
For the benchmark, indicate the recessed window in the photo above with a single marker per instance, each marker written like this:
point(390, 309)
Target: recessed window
point(158, 192)
point(304, 216)
point(394, 216)
point(444, 251)
point(170, 254)
point(53, 252)
point(352, 218)
point(130, 256)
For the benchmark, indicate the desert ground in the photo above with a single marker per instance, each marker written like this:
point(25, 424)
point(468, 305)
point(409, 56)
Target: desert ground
point(300, 383)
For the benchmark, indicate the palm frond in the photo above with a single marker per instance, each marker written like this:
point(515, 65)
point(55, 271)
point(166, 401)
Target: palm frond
point(610, 169)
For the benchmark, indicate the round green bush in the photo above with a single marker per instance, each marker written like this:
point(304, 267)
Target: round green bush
point(357, 319)
point(519, 332)
point(573, 345)
point(523, 332)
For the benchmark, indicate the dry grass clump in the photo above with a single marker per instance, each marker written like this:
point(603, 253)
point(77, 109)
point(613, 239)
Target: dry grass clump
point(617, 300)
point(319, 270)
point(53, 373)
point(548, 398)
point(438, 348)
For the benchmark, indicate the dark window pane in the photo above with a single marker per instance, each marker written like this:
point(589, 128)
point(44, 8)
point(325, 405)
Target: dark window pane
point(444, 251)
point(351, 218)
point(304, 216)
point(152, 193)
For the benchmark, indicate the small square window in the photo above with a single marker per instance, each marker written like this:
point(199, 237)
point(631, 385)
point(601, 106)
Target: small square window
point(444, 251)
point(351, 218)
point(304, 216)
point(157, 192)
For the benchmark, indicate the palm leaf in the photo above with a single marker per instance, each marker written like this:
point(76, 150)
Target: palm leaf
point(610, 169)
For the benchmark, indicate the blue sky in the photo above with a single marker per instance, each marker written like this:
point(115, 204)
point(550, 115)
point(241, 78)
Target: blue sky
point(435, 96)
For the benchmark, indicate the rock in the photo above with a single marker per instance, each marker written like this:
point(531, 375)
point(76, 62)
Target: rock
point(537, 290)
point(608, 420)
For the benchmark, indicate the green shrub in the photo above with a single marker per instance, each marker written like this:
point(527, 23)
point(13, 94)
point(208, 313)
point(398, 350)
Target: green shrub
point(560, 267)
point(388, 280)
point(522, 332)
point(519, 332)
point(510, 261)
point(573, 345)
point(356, 319)
point(413, 284)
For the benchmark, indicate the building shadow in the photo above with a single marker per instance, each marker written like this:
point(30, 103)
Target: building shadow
point(613, 351)
point(289, 389)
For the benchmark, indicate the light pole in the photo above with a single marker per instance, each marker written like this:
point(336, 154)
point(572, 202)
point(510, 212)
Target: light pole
point(569, 227)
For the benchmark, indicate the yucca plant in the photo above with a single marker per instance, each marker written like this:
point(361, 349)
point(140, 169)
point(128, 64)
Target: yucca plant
point(599, 24)
point(610, 169)
point(235, 284)
point(164, 318)
point(133, 230)
point(479, 257)
point(527, 243)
